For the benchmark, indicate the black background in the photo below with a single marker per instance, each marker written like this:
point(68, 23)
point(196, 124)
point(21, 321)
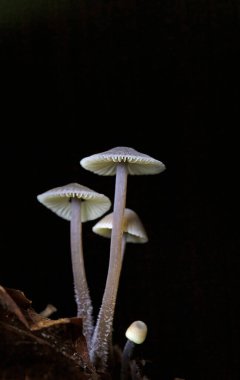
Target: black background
point(81, 77)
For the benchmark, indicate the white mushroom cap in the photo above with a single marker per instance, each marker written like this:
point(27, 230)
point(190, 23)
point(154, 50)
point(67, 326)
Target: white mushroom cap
point(137, 332)
point(132, 226)
point(93, 206)
point(137, 163)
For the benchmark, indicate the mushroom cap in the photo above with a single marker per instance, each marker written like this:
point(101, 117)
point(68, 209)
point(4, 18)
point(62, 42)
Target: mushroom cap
point(58, 200)
point(137, 163)
point(137, 332)
point(132, 226)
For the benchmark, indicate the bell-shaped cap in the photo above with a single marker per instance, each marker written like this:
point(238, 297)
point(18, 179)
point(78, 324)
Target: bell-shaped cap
point(137, 163)
point(132, 227)
point(137, 332)
point(58, 200)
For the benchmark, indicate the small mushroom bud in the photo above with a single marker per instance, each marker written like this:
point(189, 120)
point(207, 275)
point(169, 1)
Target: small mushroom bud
point(136, 334)
point(48, 311)
point(133, 229)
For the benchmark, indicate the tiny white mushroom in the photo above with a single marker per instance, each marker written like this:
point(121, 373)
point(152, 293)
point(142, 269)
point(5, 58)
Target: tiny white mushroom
point(135, 334)
point(119, 161)
point(49, 310)
point(133, 229)
point(77, 204)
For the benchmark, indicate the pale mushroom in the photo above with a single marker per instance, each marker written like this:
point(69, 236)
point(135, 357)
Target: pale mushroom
point(133, 229)
point(77, 204)
point(119, 161)
point(133, 232)
point(135, 334)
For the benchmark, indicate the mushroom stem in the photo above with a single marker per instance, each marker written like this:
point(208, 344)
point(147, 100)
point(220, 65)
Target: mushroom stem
point(126, 356)
point(83, 300)
point(102, 337)
point(110, 344)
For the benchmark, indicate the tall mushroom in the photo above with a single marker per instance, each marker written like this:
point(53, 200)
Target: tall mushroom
point(77, 204)
point(133, 229)
point(133, 232)
point(119, 161)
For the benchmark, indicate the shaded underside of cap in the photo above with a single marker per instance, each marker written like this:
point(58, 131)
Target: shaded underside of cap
point(137, 163)
point(58, 200)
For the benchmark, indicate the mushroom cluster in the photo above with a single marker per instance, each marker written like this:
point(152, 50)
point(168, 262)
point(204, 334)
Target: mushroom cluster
point(77, 204)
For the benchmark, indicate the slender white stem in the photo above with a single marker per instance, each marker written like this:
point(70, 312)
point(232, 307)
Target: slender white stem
point(102, 337)
point(82, 296)
point(126, 356)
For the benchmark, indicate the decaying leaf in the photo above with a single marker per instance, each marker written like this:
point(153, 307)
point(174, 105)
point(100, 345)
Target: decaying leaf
point(35, 347)
point(9, 308)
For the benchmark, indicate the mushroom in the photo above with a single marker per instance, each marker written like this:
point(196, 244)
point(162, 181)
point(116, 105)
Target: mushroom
point(135, 334)
point(119, 161)
point(133, 232)
point(77, 204)
point(48, 311)
point(133, 229)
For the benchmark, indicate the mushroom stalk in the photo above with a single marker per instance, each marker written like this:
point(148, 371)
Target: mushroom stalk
point(102, 337)
point(83, 300)
point(110, 345)
point(126, 356)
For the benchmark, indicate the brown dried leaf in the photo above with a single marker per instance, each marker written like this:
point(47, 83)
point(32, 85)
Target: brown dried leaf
point(35, 347)
point(24, 355)
point(19, 297)
point(10, 308)
point(67, 334)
